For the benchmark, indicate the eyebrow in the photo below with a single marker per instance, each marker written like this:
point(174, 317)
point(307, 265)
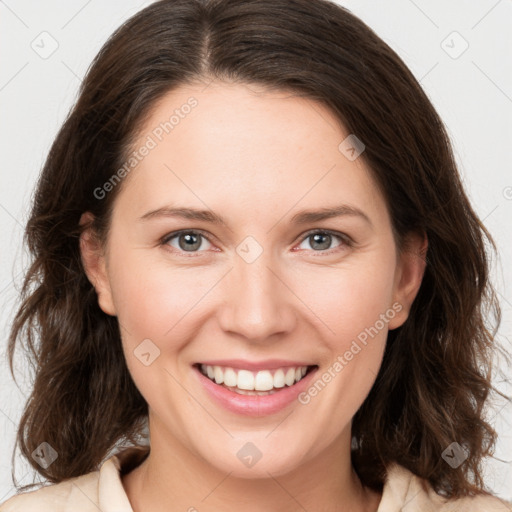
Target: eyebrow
point(302, 217)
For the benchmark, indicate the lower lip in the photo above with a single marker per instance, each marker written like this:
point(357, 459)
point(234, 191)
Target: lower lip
point(254, 405)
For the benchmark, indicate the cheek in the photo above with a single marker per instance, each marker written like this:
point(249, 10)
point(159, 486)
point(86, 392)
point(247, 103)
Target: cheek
point(152, 301)
point(152, 298)
point(357, 309)
point(349, 299)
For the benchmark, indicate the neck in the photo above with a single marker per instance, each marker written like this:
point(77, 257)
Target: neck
point(172, 478)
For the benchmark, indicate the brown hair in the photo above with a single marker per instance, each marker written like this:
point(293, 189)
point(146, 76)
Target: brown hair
point(436, 374)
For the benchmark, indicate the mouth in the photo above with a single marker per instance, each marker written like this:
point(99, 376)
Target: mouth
point(255, 382)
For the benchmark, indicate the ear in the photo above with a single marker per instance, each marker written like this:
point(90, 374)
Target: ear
point(410, 269)
point(94, 263)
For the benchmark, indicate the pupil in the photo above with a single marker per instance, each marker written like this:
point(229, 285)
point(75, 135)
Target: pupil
point(324, 245)
point(190, 238)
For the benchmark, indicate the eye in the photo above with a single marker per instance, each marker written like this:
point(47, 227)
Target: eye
point(192, 240)
point(188, 241)
point(322, 240)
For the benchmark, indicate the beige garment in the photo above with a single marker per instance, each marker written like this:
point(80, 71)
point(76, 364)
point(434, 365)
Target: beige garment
point(102, 491)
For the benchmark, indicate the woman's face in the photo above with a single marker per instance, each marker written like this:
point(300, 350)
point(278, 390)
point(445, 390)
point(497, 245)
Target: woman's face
point(270, 288)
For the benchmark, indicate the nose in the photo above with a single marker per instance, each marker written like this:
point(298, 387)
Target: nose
point(257, 302)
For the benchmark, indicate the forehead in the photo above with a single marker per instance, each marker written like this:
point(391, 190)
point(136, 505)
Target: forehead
point(242, 147)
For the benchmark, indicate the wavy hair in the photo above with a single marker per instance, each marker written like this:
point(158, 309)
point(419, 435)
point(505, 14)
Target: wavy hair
point(435, 379)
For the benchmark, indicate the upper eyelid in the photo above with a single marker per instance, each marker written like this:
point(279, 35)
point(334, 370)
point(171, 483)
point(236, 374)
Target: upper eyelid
point(174, 234)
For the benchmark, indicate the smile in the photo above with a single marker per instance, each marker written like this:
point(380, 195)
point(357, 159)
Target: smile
point(246, 382)
point(254, 388)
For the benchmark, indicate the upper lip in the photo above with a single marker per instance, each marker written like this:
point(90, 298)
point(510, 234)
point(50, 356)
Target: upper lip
point(243, 364)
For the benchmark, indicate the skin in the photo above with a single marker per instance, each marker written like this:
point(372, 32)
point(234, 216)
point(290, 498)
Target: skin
point(256, 158)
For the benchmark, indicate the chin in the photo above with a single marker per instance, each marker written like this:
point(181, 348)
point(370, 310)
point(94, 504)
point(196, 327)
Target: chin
point(250, 460)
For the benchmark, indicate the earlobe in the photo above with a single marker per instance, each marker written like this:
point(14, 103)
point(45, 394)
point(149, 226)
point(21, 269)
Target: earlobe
point(412, 263)
point(93, 261)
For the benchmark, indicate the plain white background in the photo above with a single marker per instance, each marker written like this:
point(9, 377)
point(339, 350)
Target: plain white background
point(459, 51)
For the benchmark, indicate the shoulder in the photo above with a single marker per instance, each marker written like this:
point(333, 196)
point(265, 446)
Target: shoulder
point(81, 493)
point(404, 490)
point(98, 490)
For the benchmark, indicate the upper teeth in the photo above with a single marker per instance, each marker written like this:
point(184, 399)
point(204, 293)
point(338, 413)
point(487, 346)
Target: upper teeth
point(260, 381)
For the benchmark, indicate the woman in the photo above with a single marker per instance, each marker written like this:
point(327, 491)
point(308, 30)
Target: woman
point(177, 285)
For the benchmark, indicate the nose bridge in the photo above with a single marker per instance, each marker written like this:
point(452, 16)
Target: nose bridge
point(257, 301)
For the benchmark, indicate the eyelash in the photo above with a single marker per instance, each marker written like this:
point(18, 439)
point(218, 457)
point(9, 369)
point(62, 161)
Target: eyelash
point(345, 239)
